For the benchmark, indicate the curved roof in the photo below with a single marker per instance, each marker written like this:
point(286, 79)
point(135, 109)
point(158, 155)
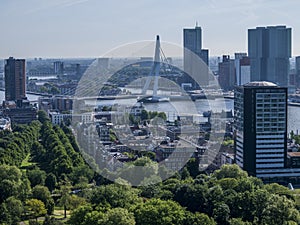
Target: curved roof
point(260, 84)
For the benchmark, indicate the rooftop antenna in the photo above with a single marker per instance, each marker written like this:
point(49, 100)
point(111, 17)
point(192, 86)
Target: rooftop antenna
point(196, 23)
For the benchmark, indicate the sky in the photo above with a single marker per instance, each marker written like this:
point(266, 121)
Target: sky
point(90, 28)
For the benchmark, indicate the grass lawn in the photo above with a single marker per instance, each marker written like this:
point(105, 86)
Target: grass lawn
point(57, 214)
point(60, 213)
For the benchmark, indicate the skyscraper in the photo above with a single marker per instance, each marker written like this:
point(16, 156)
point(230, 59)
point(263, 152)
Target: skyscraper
point(297, 71)
point(260, 110)
point(192, 43)
point(58, 67)
point(15, 78)
point(242, 68)
point(269, 49)
point(226, 73)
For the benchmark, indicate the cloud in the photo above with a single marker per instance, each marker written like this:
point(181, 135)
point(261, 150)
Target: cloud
point(72, 3)
point(39, 6)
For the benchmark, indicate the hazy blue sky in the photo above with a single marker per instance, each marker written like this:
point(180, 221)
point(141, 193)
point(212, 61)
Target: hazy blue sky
point(89, 28)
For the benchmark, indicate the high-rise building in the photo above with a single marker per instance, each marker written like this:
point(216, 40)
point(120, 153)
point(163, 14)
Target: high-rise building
point(297, 71)
point(58, 67)
point(15, 78)
point(226, 73)
point(192, 43)
point(269, 49)
point(260, 110)
point(242, 68)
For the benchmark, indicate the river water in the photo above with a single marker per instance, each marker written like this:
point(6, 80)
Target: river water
point(172, 109)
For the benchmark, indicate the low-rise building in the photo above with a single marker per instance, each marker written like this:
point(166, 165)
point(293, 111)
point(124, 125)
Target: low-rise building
point(227, 158)
point(57, 117)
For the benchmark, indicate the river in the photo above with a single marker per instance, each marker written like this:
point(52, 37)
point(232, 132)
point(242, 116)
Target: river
point(186, 107)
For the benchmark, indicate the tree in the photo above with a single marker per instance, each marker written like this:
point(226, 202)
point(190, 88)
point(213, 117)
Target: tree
point(24, 189)
point(76, 201)
point(141, 170)
point(5, 217)
point(292, 134)
point(119, 216)
point(82, 171)
point(221, 213)
point(238, 221)
point(279, 189)
point(144, 115)
point(150, 191)
point(199, 218)
point(65, 197)
point(191, 196)
point(10, 177)
point(42, 193)
point(261, 200)
point(162, 115)
point(78, 215)
point(115, 195)
point(36, 208)
point(185, 174)
point(159, 212)
point(36, 177)
point(280, 210)
point(193, 167)
point(13, 208)
point(95, 218)
point(230, 171)
point(50, 181)
point(42, 116)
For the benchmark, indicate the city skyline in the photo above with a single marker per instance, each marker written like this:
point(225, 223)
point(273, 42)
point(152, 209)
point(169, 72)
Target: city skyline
point(89, 28)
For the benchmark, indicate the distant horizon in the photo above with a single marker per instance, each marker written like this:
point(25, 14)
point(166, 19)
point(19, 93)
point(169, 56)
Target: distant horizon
point(89, 58)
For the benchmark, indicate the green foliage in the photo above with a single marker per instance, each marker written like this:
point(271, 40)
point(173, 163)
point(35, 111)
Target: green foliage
point(238, 221)
point(227, 196)
point(11, 182)
point(50, 181)
point(185, 174)
point(144, 115)
point(229, 171)
point(36, 177)
point(228, 143)
point(42, 116)
point(159, 212)
point(141, 171)
point(119, 216)
point(15, 146)
point(75, 201)
point(221, 213)
point(86, 216)
point(56, 153)
point(193, 197)
point(11, 211)
point(193, 167)
point(297, 139)
point(150, 191)
point(115, 195)
point(279, 189)
point(279, 211)
point(78, 216)
point(199, 218)
point(42, 193)
point(81, 171)
point(35, 208)
point(65, 199)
